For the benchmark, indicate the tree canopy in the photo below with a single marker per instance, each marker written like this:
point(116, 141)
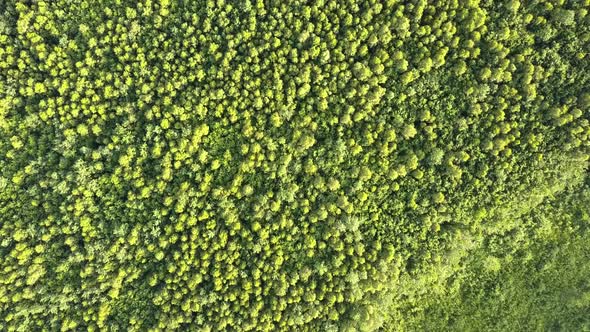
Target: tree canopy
point(278, 165)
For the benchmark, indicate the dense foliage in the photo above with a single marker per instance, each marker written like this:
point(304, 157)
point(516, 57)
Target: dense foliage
point(534, 278)
point(280, 165)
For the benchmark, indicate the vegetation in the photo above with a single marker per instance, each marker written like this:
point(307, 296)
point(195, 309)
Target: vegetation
point(330, 165)
point(534, 278)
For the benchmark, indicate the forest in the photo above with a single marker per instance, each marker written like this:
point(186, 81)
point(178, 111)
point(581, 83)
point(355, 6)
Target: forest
point(292, 165)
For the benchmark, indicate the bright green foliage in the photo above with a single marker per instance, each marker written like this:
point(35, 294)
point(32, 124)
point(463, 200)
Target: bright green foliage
point(534, 278)
point(274, 165)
